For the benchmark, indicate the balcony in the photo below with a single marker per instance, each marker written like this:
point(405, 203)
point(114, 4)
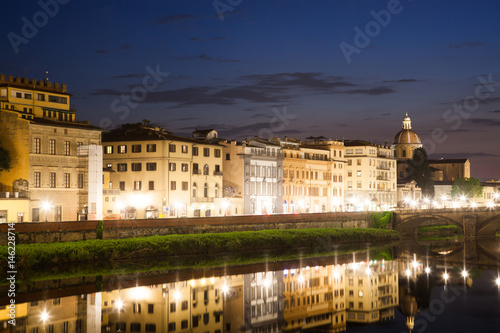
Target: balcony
point(382, 167)
point(203, 199)
point(217, 173)
point(14, 195)
point(196, 172)
point(111, 191)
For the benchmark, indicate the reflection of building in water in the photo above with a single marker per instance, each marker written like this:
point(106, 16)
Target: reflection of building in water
point(194, 305)
point(314, 297)
point(66, 314)
point(372, 291)
point(409, 307)
point(263, 302)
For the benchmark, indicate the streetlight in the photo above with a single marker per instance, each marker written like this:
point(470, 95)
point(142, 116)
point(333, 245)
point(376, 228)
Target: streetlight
point(225, 205)
point(177, 206)
point(46, 208)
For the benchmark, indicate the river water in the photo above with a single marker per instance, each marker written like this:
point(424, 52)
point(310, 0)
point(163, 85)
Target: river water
point(411, 285)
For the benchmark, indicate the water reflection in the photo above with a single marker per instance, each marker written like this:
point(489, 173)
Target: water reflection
point(298, 298)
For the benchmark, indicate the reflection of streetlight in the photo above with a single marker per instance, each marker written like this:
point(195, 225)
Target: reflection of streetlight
point(445, 276)
point(427, 270)
point(408, 272)
point(177, 206)
point(44, 316)
point(464, 273)
point(498, 282)
point(119, 304)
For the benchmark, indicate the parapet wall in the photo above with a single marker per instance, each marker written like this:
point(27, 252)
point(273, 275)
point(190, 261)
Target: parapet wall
point(47, 232)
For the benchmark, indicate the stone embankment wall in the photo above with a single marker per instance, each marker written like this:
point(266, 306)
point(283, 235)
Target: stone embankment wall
point(46, 232)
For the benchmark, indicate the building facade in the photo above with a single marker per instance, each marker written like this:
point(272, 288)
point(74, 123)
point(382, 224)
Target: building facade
point(449, 170)
point(370, 176)
point(162, 175)
point(50, 154)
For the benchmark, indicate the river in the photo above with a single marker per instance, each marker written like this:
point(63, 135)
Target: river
point(410, 285)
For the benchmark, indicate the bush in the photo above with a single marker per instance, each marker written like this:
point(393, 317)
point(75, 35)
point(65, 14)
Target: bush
point(380, 220)
point(99, 229)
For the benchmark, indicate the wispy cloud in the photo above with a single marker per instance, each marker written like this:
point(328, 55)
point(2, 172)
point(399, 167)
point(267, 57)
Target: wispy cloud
point(208, 58)
point(494, 111)
point(169, 19)
point(217, 38)
point(185, 119)
point(401, 81)
point(195, 39)
point(101, 51)
point(128, 76)
point(125, 47)
point(464, 44)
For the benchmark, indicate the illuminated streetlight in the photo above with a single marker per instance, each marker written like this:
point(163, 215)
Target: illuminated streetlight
point(445, 276)
point(225, 205)
point(46, 208)
point(44, 316)
point(225, 288)
point(368, 271)
point(408, 272)
point(464, 273)
point(490, 204)
point(427, 270)
point(119, 304)
point(498, 282)
point(177, 295)
point(473, 204)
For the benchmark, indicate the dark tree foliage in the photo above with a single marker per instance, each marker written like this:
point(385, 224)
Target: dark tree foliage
point(5, 160)
point(469, 187)
point(419, 171)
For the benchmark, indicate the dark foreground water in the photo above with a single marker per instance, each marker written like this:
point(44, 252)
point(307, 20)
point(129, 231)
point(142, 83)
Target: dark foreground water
point(418, 286)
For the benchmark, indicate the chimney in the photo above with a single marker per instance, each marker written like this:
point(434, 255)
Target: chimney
point(18, 79)
point(2, 77)
point(64, 87)
point(56, 84)
point(10, 78)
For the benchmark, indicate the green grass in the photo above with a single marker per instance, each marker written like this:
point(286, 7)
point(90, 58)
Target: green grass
point(437, 228)
point(34, 256)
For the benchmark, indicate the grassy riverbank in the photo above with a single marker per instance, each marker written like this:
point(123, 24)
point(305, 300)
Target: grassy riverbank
point(60, 254)
point(439, 232)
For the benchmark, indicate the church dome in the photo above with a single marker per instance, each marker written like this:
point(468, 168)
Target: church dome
point(407, 135)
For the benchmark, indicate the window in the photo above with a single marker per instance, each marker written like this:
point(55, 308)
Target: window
point(171, 148)
point(121, 327)
point(136, 166)
point(52, 147)
point(217, 152)
point(67, 146)
point(171, 166)
point(137, 308)
point(36, 179)
point(150, 328)
point(122, 186)
point(184, 149)
point(358, 161)
point(205, 169)
point(228, 157)
point(151, 308)
point(122, 149)
point(359, 184)
point(151, 148)
point(172, 185)
point(206, 152)
point(359, 173)
point(205, 190)
point(184, 167)
point(360, 293)
point(135, 327)
point(184, 306)
point(171, 327)
point(173, 307)
point(52, 179)
point(121, 167)
point(195, 151)
point(40, 97)
point(57, 99)
point(136, 148)
point(151, 185)
point(151, 166)
point(137, 185)
point(184, 324)
point(3, 216)
point(35, 215)
point(184, 186)
point(217, 169)
point(195, 168)
point(349, 173)
point(109, 165)
point(67, 183)
point(36, 146)
point(80, 180)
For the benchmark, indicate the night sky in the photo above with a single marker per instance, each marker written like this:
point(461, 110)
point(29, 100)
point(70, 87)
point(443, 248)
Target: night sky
point(341, 69)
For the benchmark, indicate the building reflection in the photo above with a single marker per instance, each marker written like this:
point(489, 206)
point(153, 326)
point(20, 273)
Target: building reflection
point(321, 298)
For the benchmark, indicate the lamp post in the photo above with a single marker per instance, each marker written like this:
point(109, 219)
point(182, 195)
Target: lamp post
point(46, 208)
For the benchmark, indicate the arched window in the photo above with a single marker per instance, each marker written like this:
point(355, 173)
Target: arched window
point(205, 190)
point(216, 190)
point(194, 190)
point(205, 169)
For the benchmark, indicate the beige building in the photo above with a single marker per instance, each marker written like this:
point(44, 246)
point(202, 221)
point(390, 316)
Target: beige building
point(51, 164)
point(370, 182)
point(371, 291)
point(450, 169)
point(162, 175)
point(313, 173)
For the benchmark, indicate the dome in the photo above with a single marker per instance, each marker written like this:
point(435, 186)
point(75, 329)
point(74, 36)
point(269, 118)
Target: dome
point(407, 135)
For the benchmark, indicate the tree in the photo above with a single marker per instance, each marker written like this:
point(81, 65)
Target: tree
point(5, 160)
point(469, 187)
point(419, 171)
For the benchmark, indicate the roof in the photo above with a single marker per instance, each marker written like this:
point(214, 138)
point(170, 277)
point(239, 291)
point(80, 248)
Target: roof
point(139, 133)
point(407, 136)
point(79, 125)
point(203, 131)
point(449, 161)
point(358, 143)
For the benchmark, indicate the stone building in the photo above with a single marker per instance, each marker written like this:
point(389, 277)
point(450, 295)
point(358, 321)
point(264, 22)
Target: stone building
point(448, 170)
point(54, 175)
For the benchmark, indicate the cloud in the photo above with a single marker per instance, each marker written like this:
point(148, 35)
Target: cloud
point(125, 47)
point(385, 114)
point(483, 122)
point(184, 119)
point(106, 92)
point(491, 100)
point(494, 111)
point(169, 19)
point(401, 81)
point(461, 155)
point(249, 109)
point(195, 39)
point(371, 91)
point(260, 115)
point(464, 44)
point(208, 58)
point(101, 51)
point(128, 76)
point(315, 81)
point(217, 38)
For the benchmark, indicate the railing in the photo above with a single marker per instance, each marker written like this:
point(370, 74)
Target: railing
point(217, 173)
point(196, 172)
point(203, 199)
point(14, 195)
point(111, 191)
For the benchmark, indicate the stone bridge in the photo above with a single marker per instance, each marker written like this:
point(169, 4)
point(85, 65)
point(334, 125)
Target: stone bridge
point(476, 222)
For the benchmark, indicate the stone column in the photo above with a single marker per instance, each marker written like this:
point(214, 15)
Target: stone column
point(469, 223)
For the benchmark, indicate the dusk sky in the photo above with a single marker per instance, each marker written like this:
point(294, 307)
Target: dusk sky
point(341, 69)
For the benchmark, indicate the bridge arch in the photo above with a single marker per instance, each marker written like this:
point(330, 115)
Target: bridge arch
point(408, 225)
point(489, 227)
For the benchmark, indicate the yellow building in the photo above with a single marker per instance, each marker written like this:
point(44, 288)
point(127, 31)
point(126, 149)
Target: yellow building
point(49, 151)
point(314, 297)
point(371, 291)
point(163, 175)
point(313, 174)
point(370, 176)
